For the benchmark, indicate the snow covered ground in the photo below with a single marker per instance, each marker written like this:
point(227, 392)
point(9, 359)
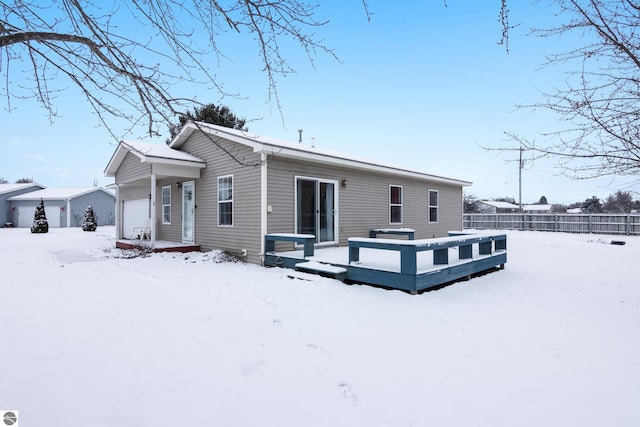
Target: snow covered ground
point(92, 338)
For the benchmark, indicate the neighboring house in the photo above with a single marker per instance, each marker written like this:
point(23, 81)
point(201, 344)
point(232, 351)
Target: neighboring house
point(536, 209)
point(221, 188)
point(64, 207)
point(491, 207)
point(9, 190)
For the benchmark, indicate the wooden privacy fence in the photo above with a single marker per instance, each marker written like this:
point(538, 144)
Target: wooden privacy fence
point(568, 223)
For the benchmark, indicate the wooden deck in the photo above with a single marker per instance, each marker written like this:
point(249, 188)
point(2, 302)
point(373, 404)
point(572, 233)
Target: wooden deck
point(160, 246)
point(408, 265)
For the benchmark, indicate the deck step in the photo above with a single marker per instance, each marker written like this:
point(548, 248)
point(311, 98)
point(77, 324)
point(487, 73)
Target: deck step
point(322, 269)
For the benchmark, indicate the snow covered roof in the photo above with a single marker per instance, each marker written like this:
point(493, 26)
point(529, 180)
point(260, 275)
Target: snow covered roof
point(8, 188)
point(276, 147)
point(151, 153)
point(536, 207)
point(59, 193)
point(500, 205)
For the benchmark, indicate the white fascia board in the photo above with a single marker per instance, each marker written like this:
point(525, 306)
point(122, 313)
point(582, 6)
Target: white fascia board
point(182, 136)
point(189, 128)
point(116, 159)
point(179, 171)
point(172, 162)
point(354, 164)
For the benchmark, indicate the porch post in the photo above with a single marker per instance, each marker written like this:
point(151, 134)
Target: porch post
point(263, 204)
point(152, 215)
point(118, 213)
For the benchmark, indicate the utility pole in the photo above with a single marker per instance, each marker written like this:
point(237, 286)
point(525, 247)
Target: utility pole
point(520, 180)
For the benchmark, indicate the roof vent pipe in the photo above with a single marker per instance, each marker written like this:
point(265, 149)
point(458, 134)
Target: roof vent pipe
point(300, 137)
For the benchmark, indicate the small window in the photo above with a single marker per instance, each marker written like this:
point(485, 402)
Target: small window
point(395, 204)
point(433, 206)
point(225, 200)
point(166, 205)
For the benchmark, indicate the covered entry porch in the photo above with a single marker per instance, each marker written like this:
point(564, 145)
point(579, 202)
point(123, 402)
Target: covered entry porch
point(155, 196)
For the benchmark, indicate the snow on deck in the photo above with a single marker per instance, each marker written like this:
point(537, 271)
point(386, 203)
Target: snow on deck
point(383, 259)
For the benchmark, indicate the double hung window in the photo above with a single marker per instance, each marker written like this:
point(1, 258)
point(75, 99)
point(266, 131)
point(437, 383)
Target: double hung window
point(433, 206)
point(166, 205)
point(225, 200)
point(395, 204)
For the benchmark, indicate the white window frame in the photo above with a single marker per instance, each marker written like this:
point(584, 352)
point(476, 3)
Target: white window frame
point(229, 201)
point(166, 205)
point(436, 206)
point(336, 208)
point(392, 205)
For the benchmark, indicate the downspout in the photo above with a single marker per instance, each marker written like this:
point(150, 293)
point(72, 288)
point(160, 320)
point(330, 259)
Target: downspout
point(152, 215)
point(263, 204)
point(68, 213)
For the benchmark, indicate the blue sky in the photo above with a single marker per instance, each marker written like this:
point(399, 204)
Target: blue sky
point(423, 86)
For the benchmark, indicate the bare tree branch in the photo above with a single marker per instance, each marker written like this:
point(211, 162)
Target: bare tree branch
point(132, 74)
point(599, 103)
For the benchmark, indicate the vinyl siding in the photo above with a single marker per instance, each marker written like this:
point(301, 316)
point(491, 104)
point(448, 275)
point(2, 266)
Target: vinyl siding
point(131, 169)
point(134, 192)
point(103, 208)
point(6, 214)
point(171, 232)
point(364, 201)
point(245, 232)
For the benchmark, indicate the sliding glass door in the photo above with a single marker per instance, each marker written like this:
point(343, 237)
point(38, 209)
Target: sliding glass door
point(316, 210)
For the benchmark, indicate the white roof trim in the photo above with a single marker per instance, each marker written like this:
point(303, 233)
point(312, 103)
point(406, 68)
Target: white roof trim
point(151, 154)
point(60, 193)
point(9, 188)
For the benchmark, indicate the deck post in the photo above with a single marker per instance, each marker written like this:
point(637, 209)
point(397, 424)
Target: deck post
point(354, 253)
point(408, 260)
point(308, 247)
point(269, 245)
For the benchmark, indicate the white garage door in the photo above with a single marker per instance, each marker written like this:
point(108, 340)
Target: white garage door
point(134, 215)
point(26, 214)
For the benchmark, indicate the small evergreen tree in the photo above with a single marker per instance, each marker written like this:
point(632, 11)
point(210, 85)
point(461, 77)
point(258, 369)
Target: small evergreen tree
point(40, 223)
point(89, 223)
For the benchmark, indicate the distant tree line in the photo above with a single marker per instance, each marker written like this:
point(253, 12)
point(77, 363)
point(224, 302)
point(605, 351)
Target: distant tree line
point(18, 181)
point(620, 202)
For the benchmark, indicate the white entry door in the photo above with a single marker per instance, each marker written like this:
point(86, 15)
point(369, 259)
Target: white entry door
point(188, 211)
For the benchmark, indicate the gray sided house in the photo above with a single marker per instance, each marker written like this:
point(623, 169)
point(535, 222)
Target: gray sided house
point(220, 188)
point(64, 207)
point(7, 213)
